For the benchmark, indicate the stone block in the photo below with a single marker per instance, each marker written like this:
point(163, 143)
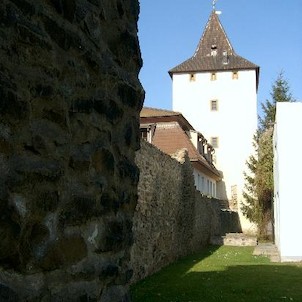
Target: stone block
point(78, 209)
point(9, 237)
point(64, 252)
point(115, 294)
point(7, 294)
point(33, 167)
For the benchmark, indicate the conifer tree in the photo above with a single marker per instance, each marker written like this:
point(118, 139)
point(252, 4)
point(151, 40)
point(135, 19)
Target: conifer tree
point(259, 184)
point(280, 93)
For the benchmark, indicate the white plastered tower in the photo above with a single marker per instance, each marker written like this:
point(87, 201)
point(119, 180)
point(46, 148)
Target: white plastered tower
point(216, 90)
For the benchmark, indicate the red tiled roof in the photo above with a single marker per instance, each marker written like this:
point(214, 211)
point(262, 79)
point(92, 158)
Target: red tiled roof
point(151, 112)
point(170, 137)
point(154, 115)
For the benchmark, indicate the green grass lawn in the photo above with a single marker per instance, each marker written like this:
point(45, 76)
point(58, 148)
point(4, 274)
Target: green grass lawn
point(228, 274)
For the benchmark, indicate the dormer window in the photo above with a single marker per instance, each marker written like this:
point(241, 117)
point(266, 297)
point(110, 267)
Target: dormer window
point(214, 141)
point(225, 58)
point(147, 132)
point(210, 153)
point(213, 50)
point(201, 143)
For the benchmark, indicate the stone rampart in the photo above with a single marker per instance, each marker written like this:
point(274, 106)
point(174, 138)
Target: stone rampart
point(172, 219)
point(69, 113)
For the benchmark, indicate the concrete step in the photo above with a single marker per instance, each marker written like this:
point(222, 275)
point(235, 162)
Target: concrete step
point(224, 204)
point(267, 249)
point(234, 239)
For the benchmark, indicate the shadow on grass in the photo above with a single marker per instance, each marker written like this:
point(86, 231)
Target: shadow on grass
point(181, 282)
point(248, 283)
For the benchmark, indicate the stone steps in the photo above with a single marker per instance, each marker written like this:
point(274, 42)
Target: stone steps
point(267, 249)
point(224, 204)
point(234, 239)
point(239, 239)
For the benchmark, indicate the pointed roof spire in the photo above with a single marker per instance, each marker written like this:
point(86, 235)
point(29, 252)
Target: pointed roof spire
point(214, 51)
point(214, 40)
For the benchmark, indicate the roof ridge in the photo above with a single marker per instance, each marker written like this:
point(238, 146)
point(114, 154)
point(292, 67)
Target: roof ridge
point(159, 109)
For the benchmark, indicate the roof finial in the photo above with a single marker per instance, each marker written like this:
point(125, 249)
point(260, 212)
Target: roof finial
point(214, 5)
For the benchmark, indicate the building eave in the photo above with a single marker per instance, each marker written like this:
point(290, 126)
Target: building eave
point(208, 169)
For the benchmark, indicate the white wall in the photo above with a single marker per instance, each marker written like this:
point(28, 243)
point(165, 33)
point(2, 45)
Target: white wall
point(287, 170)
point(204, 184)
point(234, 123)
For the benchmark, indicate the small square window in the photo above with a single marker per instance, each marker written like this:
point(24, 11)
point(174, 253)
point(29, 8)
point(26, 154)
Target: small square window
point(213, 76)
point(214, 142)
point(192, 77)
point(214, 105)
point(235, 75)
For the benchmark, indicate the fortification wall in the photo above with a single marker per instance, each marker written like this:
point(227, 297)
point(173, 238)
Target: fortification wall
point(172, 219)
point(69, 107)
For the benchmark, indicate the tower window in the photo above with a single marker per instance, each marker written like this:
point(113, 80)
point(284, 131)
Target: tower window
point(192, 77)
point(213, 76)
point(214, 141)
point(235, 75)
point(214, 105)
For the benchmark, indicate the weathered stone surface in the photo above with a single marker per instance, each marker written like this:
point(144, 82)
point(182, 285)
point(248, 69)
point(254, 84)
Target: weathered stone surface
point(64, 252)
point(69, 111)
point(9, 237)
point(115, 294)
point(7, 294)
point(172, 219)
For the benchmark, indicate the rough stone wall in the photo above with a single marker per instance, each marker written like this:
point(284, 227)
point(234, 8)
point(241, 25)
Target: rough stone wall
point(69, 107)
point(172, 218)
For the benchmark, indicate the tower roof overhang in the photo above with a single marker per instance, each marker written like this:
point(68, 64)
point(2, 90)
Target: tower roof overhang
point(215, 64)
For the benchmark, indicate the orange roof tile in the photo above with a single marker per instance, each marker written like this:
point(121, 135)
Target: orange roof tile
point(170, 137)
point(152, 112)
point(154, 115)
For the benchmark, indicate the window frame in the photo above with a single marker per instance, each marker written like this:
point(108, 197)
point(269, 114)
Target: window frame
point(214, 105)
point(235, 75)
point(192, 77)
point(215, 141)
point(213, 76)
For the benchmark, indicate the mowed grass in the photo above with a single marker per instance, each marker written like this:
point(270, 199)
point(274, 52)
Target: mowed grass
point(228, 274)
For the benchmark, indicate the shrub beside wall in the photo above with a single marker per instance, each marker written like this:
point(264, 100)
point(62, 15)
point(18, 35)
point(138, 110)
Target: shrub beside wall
point(172, 219)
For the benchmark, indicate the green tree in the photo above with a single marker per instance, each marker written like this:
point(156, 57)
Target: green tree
point(259, 181)
point(280, 93)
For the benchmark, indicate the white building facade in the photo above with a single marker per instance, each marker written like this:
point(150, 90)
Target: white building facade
point(204, 184)
point(287, 181)
point(216, 90)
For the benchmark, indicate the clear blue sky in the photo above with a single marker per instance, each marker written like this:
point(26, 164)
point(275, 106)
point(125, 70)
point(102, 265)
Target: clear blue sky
point(266, 32)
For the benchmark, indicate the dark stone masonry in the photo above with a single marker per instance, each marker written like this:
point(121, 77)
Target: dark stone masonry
point(69, 108)
point(172, 219)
